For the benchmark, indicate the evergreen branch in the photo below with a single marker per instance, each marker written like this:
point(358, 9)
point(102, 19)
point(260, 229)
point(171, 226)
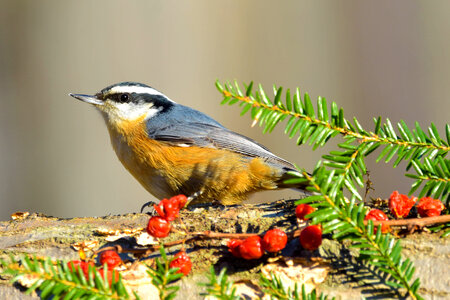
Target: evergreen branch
point(219, 286)
point(344, 162)
point(264, 110)
point(276, 289)
point(382, 251)
point(436, 174)
point(446, 233)
point(163, 276)
point(58, 280)
point(318, 126)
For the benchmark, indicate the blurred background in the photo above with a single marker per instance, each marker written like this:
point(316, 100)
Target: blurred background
point(388, 58)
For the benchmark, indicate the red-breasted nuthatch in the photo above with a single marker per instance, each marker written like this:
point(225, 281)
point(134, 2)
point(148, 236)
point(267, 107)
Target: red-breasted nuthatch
point(172, 149)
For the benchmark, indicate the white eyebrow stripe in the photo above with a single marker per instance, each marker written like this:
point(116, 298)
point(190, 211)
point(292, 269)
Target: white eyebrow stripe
point(136, 89)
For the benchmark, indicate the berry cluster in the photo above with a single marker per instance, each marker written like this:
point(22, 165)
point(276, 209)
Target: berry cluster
point(310, 237)
point(109, 257)
point(276, 239)
point(254, 246)
point(168, 210)
point(159, 227)
point(400, 205)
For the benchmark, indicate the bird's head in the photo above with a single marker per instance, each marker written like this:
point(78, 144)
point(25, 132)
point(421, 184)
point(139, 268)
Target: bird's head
point(127, 101)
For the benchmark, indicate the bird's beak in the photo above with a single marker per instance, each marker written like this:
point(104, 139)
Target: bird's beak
point(88, 99)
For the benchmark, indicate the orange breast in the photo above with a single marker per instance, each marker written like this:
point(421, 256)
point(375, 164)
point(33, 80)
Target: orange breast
point(166, 170)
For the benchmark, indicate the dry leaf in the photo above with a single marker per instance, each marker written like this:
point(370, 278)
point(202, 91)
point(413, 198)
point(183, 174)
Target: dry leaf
point(145, 239)
point(19, 215)
point(27, 280)
point(85, 245)
point(298, 271)
point(137, 279)
point(248, 289)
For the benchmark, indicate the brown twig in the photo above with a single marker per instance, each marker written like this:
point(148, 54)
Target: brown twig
point(420, 222)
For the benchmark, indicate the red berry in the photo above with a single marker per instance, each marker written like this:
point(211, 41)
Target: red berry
point(167, 209)
point(84, 266)
point(74, 264)
point(274, 240)
point(181, 200)
point(111, 258)
point(158, 227)
point(378, 215)
point(400, 204)
point(302, 210)
point(183, 262)
point(251, 248)
point(160, 208)
point(109, 275)
point(429, 207)
point(79, 264)
point(233, 247)
point(311, 237)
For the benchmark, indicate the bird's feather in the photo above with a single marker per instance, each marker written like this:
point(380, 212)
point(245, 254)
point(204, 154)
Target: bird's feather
point(218, 137)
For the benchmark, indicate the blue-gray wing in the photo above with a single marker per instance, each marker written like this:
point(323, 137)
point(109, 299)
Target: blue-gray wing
point(211, 135)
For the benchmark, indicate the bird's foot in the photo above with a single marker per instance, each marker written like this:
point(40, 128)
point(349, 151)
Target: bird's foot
point(150, 205)
point(193, 196)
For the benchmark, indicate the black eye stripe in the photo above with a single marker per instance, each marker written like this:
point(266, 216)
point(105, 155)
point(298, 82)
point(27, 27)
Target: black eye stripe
point(120, 97)
point(159, 101)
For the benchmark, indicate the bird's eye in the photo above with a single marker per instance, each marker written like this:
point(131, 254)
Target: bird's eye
point(124, 97)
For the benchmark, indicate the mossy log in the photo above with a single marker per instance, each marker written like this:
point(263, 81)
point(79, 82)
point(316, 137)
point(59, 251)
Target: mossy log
point(348, 278)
